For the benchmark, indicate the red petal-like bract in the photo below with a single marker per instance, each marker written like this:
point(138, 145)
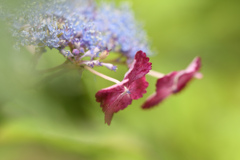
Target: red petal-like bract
point(133, 86)
point(113, 99)
point(139, 68)
point(173, 83)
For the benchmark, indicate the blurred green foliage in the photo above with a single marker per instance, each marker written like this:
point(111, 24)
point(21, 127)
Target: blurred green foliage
point(58, 118)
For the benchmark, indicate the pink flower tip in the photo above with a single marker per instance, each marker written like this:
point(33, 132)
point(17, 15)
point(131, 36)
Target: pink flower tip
point(173, 83)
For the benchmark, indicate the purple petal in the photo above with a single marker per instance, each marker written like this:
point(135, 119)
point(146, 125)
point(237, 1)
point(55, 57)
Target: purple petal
point(133, 86)
point(139, 68)
point(113, 99)
point(185, 76)
point(138, 88)
point(173, 83)
point(163, 90)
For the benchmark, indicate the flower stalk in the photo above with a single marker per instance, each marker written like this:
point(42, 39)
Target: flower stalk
point(101, 75)
point(155, 74)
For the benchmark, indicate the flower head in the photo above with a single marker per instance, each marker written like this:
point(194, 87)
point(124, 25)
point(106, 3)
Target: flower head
point(173, 83)
point(57, 24)
point(79, 29)
point(86, 33)
point(133, 86)
point(121, 32)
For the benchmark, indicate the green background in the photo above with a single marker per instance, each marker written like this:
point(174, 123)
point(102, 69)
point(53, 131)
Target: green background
point(59, 119)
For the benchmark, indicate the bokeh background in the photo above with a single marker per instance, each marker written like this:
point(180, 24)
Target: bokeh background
point(57, 117)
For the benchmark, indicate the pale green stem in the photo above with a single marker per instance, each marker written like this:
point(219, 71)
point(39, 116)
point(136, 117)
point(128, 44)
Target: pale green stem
point(155, 74)
point(102, 75)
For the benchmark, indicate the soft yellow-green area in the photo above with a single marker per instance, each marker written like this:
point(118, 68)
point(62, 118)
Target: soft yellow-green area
point(58, 118)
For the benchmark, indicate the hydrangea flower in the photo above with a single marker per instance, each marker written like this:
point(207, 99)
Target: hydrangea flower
point(133, 86)
point(173, 83)
point(57, 24)
point(83, 26)
point(121, 32)
point(86, 33)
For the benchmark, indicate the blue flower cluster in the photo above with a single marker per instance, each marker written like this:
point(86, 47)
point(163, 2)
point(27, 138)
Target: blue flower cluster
point(80, 28)
point(121, 32)
point(55, 24)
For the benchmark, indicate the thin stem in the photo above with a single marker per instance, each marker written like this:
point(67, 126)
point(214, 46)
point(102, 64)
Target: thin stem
point(117, 60)
point(101, 75)
point(155, 74)
point(114, 61)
